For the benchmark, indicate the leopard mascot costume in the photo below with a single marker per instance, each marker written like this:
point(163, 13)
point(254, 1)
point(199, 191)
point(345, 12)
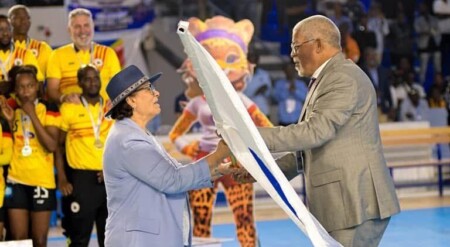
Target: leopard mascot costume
point(227, 42)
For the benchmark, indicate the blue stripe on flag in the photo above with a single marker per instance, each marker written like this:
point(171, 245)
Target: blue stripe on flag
point(273, 181)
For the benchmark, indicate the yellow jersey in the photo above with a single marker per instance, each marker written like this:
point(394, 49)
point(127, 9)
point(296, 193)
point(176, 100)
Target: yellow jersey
point(40, 49)
point(37, 168)
point(5, 153)
point(17, 56)
point(80, 149)
point(65, 61)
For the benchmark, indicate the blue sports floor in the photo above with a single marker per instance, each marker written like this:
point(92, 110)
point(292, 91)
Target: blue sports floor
point(410, 228)
point(422, 227)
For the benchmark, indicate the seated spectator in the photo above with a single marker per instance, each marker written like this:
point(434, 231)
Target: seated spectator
point(436, 98)
point(414, 108)
point(290, 95)
point(259, 86)
point(440, 82)
point(410, 81)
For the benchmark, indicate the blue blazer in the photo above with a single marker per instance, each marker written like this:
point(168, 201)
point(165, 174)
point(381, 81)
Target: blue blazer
point(146, 189)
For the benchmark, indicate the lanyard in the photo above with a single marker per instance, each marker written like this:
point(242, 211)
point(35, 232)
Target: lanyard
point(27, 44)
point(25, 122)
point(4, 64)
point(95, 126)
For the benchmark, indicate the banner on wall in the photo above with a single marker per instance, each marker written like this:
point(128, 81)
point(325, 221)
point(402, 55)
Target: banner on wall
point(120, 24)
point(31, 3)
point(116, 15)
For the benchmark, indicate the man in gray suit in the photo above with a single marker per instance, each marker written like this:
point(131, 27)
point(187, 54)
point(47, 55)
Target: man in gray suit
point(348, 186)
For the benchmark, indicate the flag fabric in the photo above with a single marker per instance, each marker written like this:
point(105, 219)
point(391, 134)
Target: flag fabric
point(242, 137)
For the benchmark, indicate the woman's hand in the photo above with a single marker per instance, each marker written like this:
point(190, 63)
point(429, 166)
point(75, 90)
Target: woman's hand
point(28, 107)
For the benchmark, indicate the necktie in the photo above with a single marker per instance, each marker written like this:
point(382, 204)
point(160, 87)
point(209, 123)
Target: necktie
point(300, 154)
point(311, 82)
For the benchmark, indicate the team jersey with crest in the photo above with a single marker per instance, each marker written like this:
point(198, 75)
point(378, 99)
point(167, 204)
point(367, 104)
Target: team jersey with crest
point(80, 150)
point(40, 49)
point(37, 168)
point(65, 61)
point(18, 56)
point(5, 153)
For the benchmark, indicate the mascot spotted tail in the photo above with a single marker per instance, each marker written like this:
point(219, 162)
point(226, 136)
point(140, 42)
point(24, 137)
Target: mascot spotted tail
point(227, 42)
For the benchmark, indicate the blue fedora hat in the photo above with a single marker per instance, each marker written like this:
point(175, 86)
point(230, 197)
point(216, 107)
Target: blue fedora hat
point(124, 83)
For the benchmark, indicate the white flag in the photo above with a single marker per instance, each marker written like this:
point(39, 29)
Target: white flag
point(242, 137)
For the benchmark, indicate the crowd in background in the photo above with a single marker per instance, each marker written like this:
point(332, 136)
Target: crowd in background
point(403, 46)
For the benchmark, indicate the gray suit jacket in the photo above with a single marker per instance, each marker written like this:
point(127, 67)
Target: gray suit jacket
point(347, 181)
point(146, 189)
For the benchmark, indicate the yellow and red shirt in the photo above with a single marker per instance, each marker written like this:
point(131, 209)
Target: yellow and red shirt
point(36, 169)
point(40, 49)
point(19, 56)
point(80, 150)
point(5, 153)
point(65, 61)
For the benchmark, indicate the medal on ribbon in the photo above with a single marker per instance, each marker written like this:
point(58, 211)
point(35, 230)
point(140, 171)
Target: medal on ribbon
point(26, 151)
point(95, 125)
point(25, 122)
point(98, 143)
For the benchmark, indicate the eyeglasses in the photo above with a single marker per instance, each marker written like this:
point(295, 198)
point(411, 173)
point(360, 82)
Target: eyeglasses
point(296, 47)
point(148, 87)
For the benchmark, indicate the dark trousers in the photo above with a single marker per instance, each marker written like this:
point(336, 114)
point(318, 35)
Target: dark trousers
point(86, 206)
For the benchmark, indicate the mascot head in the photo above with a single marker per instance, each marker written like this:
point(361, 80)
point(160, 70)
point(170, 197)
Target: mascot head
point(227, 42)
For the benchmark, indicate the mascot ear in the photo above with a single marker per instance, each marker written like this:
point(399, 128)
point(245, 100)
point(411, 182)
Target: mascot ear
point(196, 26)
point(245, 29)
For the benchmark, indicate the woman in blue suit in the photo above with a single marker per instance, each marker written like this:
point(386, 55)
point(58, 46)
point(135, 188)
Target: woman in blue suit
point(146, 188)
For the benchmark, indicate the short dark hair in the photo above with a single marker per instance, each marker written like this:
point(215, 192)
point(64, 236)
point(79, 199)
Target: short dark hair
point(81, 73)
point(121, 111)
point(27, 69)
